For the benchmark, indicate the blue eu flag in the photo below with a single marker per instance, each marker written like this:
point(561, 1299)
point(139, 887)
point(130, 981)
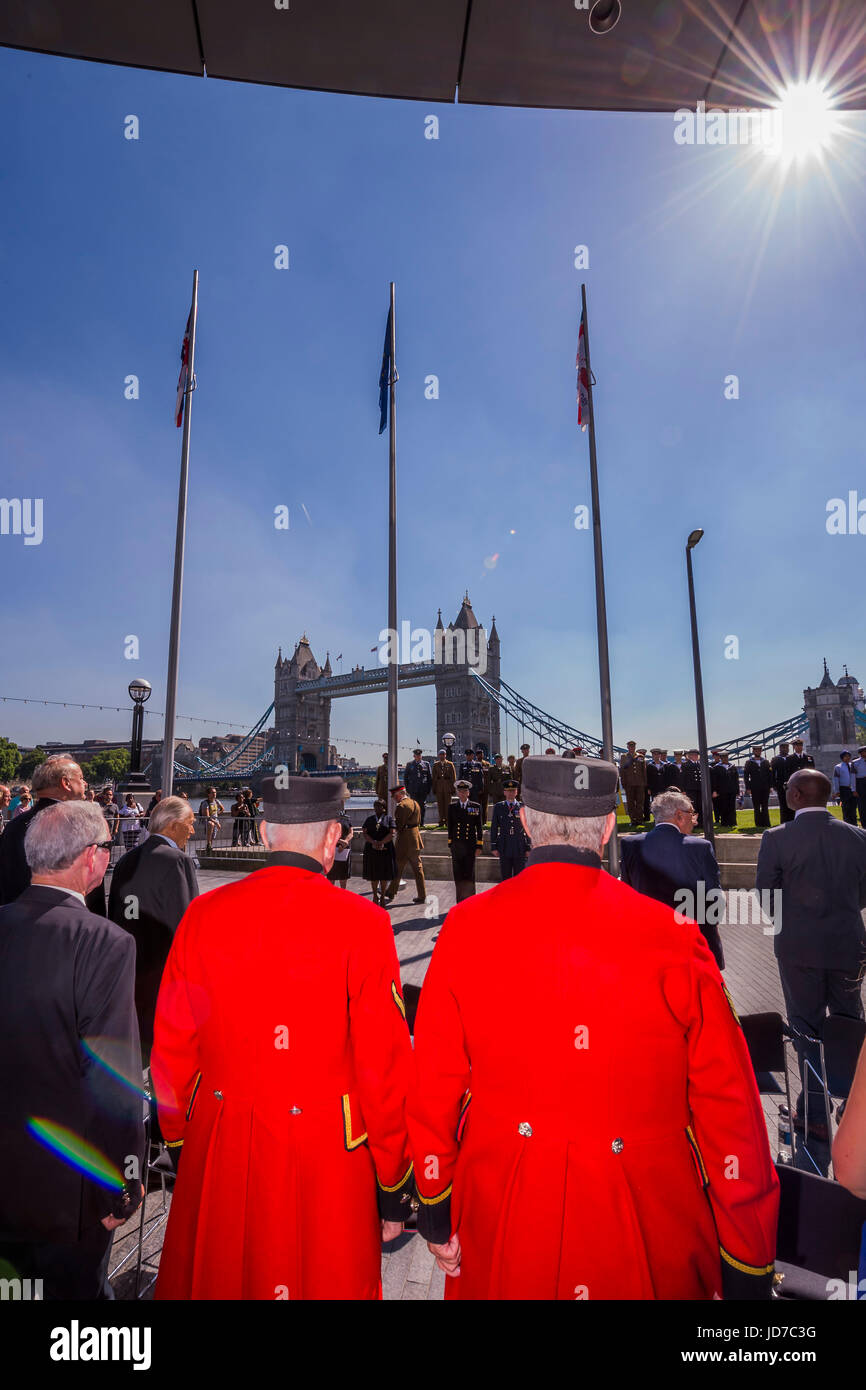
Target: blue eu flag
point(385, 377)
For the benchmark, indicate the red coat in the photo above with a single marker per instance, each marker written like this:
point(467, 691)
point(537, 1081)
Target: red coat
point(584, 1113)
point(281, 1060)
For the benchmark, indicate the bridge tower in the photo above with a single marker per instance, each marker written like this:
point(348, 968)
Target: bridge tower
point(832, 727)
point(462, 707)
point(302, 721)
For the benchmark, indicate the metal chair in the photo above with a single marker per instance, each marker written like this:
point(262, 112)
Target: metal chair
point(838, 1049)
point(819, 1234)
point(766, 1036)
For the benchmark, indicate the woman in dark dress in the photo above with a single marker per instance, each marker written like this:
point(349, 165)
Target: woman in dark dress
point(380, 861)
point(341, 870)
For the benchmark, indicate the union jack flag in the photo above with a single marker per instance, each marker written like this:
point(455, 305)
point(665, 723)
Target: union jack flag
point(184, 374)
point(582, 378)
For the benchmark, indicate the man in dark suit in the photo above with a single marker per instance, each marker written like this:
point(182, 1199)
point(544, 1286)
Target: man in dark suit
point(151, 888)
point(675, 867)
point(57, 779)
point(70, 1064)
point(758, 780)
point(819, 863)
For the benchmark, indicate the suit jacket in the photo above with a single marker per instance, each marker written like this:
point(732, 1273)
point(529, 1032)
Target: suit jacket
point(66, 977)
point(14, 869)
point(757, 776)
point(161, 882)
point(820, 865)
point(663, 862)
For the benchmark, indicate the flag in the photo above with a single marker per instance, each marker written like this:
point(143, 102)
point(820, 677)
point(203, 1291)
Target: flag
point(184, 374)
point(339, 658)
point(385, 379)
point(582, 378)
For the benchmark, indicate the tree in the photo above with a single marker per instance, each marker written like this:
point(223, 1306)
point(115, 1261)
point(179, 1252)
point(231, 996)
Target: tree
point(109, 765)
point(29, 763)
point(9, 759)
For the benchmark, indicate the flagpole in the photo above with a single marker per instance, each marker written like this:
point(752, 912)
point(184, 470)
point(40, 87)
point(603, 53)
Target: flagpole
point(180, 537)
point(394, 650)
point(600, 604)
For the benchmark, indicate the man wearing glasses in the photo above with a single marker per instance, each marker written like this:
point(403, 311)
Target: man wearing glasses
point(675, 867)
point(59, 778)
point(70, 1064)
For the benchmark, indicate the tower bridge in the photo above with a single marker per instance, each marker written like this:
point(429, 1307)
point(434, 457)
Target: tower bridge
point(473, 703)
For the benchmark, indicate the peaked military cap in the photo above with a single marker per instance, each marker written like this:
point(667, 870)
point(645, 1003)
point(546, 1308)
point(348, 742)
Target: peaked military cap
point(463, 783)
point(579, 787)
point(303, 801)
point(509, 783)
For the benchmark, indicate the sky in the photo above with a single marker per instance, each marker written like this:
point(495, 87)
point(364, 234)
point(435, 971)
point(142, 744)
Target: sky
point(703, 264)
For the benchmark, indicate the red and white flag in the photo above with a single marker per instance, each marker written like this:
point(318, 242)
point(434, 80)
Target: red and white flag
point(184, 374)
point(582, 379)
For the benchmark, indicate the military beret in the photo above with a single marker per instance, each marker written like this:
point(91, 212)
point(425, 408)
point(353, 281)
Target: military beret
point(303, 800)
point(463, 783)
point(580, 787)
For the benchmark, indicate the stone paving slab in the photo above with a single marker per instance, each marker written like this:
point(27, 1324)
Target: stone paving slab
point(408, 1269)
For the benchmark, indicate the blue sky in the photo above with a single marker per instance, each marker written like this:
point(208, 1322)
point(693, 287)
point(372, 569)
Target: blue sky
point(98, 239)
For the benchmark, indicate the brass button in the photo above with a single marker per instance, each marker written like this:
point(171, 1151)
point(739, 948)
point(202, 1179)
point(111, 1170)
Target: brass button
point(617, 1146)
point(525, 1129)
point(295, 1111)
point(218, 1094)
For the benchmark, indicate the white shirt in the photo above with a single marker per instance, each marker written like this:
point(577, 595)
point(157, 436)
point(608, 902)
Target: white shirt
point(804, 810)
point(55, 888)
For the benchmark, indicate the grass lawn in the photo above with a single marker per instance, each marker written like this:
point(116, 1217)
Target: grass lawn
point(745, 822)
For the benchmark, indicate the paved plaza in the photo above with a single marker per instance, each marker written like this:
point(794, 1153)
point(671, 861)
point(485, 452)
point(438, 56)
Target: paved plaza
point(408, 1269)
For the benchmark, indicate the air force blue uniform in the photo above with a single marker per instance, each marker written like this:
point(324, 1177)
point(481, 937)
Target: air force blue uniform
point(508, 837)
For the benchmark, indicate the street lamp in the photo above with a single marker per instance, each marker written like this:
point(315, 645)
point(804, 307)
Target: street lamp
point(449, 740)
point(706, 792)
point(139, 693)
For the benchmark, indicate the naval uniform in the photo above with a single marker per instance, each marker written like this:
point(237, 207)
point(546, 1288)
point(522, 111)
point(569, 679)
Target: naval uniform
point(781, 770)
point(465, 839)
point(508, 837)
point(281, 1061)
point(582, 1081)
point(757, 780)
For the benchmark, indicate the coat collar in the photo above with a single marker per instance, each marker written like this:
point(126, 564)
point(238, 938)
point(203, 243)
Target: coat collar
point(287, 859)
point(563, 854)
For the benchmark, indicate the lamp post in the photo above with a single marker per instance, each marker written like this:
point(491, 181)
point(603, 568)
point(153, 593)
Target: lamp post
point(139, 693)
point(706, 791)
point(449, 740)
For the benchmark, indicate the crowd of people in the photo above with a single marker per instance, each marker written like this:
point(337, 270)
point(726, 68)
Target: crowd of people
point(545, 1149)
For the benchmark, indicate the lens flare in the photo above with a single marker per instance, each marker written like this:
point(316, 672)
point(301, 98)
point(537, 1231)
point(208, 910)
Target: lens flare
point(76, 1152)
point(805, 122)
point(111, 1054)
